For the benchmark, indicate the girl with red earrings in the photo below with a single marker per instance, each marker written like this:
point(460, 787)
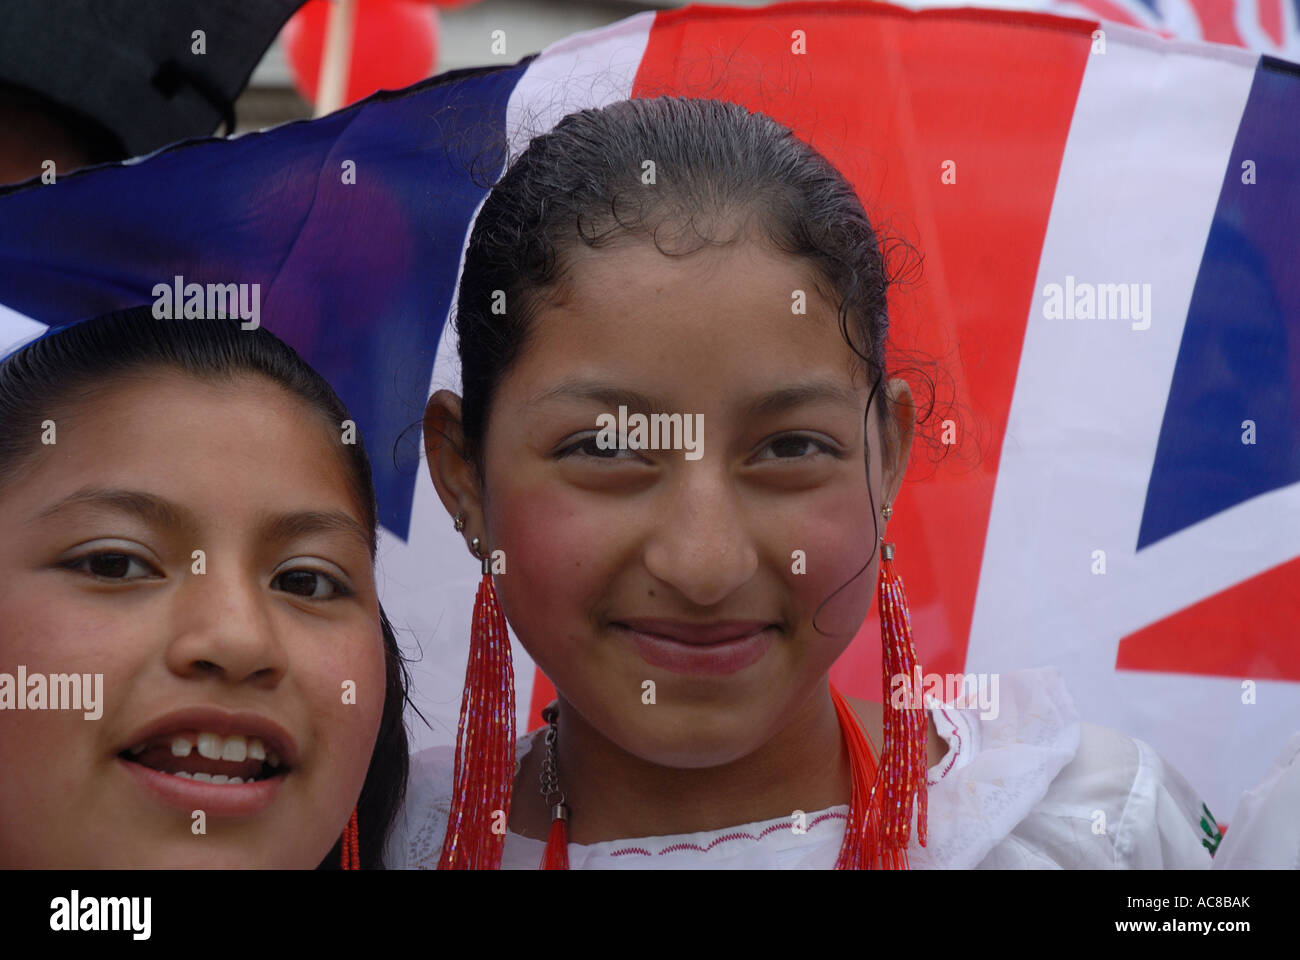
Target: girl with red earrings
point(688, 609)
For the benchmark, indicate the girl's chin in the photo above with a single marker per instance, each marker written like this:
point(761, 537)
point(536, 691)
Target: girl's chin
point(689, 737)
point(172, 854)
point(164, 830)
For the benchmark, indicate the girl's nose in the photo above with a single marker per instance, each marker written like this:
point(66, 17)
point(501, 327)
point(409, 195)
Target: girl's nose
point(703, 545)
point(224, 627)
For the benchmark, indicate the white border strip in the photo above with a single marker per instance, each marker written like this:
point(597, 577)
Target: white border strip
point(429, 584)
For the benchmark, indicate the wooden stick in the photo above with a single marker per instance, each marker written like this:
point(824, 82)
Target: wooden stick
point(336, 57)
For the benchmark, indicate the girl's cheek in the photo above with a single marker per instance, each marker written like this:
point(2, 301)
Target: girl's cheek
point(56, 756)
point(49, 637)
point(347, 693)
point(554, 545)
point(835, 540)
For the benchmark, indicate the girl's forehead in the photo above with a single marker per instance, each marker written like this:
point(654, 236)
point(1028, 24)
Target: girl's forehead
point(156, 424)
point(718, 294)
point(633, 311)
point(639, 264)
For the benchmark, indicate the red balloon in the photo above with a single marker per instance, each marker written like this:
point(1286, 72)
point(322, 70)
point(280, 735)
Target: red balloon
point(394, 44)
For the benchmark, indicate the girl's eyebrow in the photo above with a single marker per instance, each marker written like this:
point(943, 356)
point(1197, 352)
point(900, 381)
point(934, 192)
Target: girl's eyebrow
point(797, 394)
point(603, 392)
point(152, 509)
point(157, 512)
point(774, 401)
point(289, 526)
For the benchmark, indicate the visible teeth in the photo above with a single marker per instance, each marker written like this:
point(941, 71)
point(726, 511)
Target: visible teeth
point(236, 780)
point(235, 748)
point(205, 777)
point(273, 758)
point(220, 778)
point(182, 773)
point(210, 745)
point(137, 750)
point(256, 749)
point(181, 747)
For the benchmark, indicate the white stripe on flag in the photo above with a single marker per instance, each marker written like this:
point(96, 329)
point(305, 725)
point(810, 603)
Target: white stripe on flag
point(16, 329)
point(1140, 179)
point(428, 585)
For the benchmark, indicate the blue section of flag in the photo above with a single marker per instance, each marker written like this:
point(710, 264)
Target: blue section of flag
point(1240, 355)
point(358, 277)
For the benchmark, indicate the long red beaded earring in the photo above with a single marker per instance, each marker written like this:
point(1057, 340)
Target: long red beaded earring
point(878, 831)
point(351, 855)
point(485, 738)
point(907, 728)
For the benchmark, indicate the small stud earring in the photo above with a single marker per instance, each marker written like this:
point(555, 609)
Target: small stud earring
point(459, 522)
point(886, 512)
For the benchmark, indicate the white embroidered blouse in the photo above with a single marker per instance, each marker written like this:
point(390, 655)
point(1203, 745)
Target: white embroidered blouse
point(1032, 787)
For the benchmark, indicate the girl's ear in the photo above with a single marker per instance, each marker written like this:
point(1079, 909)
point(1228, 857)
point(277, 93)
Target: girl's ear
point(453, 476)
point(900, 419)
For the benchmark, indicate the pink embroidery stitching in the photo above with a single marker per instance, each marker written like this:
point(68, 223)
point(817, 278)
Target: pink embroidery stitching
point(956, 732)
point(725, 837)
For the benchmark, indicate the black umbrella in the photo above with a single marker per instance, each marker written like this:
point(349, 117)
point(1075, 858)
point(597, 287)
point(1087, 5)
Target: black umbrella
point(134, 66)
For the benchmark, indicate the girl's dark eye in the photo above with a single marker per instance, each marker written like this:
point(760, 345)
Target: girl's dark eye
point(108, 565)
point(795, 446)
point(589, 448)
point(310, 584)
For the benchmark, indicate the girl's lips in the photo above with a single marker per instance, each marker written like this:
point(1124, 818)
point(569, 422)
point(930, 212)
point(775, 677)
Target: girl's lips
point(685, 631)
point(215, 720)
point(221, 800)
point(713, 659)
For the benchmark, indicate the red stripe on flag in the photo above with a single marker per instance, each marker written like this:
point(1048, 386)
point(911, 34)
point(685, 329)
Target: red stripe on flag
point(1270, 18)
point(543, 693)
point(889, 95)
point(1217, 23)
point(1214, 639)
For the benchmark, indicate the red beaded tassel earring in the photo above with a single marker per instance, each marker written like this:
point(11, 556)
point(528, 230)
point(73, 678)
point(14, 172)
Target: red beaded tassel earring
point(351, 856)
point(485, 738)
point(877, 836)
point(907, 728)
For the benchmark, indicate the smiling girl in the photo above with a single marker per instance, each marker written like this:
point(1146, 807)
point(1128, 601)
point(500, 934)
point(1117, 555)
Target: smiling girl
point(662, 594)
point(181, 516)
